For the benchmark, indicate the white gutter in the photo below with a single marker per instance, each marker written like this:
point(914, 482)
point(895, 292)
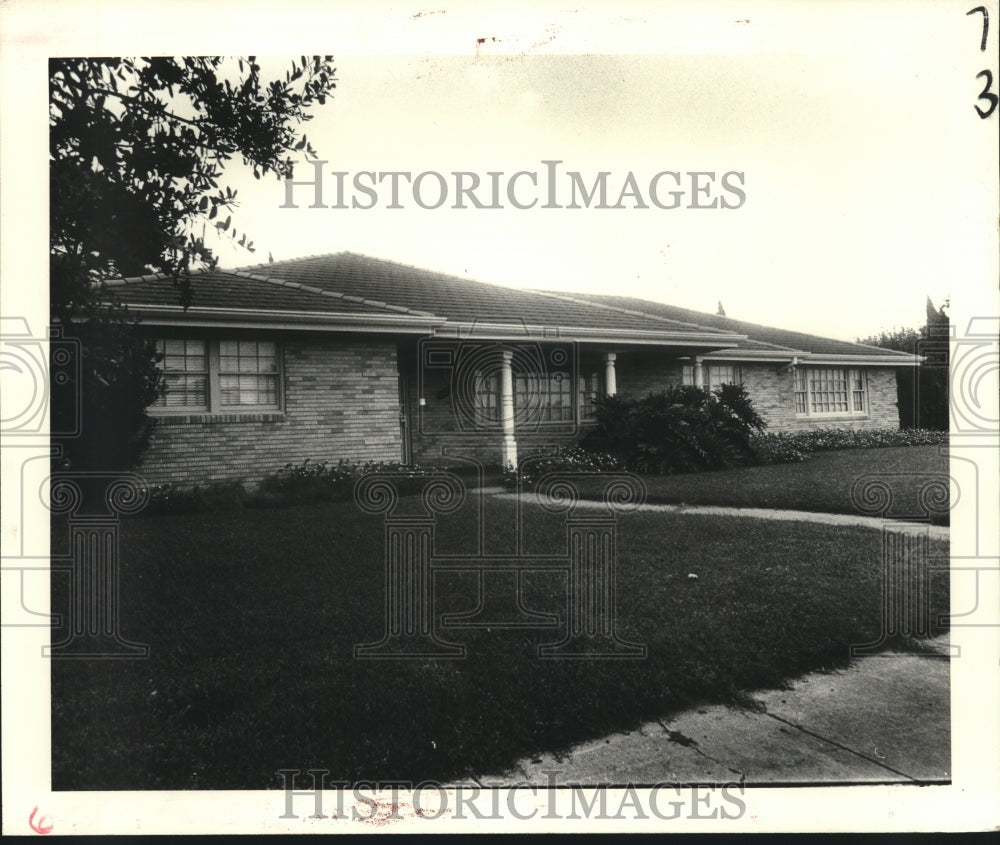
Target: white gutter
point(865, 360)
point(175, 315)
point(455, 330)
point(807, 358)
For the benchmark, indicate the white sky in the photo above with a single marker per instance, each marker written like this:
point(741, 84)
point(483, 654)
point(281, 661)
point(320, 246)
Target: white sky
point(868, 175)
point(860, 172)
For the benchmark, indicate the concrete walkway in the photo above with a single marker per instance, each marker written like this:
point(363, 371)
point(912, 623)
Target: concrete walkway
point(933, 531)
point(883, 719)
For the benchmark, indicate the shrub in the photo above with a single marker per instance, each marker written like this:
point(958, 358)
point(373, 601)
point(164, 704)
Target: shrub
point(292, 484)
point(777, 449)
point(562, 459)
point(167, 498)
point(307, 482)
point(789, 447)
point(320, 482)
point(682, 429)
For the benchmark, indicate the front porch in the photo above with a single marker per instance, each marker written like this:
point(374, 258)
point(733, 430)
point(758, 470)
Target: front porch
point(492, 402)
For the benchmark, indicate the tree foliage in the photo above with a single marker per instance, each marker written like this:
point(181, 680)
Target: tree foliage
point(923, 391)
point(138, 150)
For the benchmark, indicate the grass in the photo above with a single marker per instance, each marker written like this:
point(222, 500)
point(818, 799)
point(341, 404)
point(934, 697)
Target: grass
point(821, 484)
point(252, 617)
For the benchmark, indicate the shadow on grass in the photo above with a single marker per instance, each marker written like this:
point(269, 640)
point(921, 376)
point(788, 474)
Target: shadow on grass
point(252, 618)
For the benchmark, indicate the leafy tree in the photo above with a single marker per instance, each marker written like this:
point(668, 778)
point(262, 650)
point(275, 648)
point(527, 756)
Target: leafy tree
point(923, 390)
point(138, 148)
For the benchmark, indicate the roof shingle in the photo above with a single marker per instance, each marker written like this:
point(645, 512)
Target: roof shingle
point(457, 299)
point(758, 335)
point(351, 284)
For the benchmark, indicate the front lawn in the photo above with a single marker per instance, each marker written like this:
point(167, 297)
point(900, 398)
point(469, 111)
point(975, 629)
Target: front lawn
point(252, 617)
point(823, 483)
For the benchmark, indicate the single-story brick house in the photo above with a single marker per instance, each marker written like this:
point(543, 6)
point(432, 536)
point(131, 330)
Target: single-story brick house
point(346, 356)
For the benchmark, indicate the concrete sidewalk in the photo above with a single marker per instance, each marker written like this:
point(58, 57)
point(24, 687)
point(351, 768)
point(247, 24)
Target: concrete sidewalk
point(937, 532)
point(883, 719)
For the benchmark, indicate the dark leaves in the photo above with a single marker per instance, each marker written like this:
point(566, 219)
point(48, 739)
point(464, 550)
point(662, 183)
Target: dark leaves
point(137, 148)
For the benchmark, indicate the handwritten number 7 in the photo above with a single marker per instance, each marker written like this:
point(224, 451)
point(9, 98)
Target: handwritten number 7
point(987, 95)
point(986, 25)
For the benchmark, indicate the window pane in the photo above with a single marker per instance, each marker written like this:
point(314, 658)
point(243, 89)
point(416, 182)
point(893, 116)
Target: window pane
point(185, 368)
point(588, 389)
point(721, 374)
point(828, 391)
point(249, 390)
point(858, 391)
point(540, 397)
point(248, 373)
point(487, 397)
point(560, 398)
point(801, 390)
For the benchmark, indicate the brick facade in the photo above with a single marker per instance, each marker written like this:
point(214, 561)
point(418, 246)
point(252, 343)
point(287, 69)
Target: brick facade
point(773, 395)
point(772, 390)
point(443, 430)
point(340, 401)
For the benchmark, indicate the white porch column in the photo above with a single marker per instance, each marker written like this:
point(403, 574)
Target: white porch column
point(699, 375)
point(610, 379)
point(508, 451)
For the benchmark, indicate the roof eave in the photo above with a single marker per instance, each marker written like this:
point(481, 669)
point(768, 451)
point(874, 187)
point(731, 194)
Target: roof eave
point(865, 360)
point(464, 330)
point(175, 315)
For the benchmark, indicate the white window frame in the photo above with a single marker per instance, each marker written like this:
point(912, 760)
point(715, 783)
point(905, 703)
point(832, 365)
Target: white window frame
point(214, 404)
point(160, 405)
point(806, 394)
point(536, 388)
point(687, 375)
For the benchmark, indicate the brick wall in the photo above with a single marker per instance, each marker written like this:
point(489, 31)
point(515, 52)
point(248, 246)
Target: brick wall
point(646, 371)
point(443, 430)
point(773, 394)
point(340, 401)
point(439, 438)
point(771, 391)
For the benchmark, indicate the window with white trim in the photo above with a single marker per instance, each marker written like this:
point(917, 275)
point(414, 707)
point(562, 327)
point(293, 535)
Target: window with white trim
point(185, 371)
point(713, 375)
point(822, 391)
point(248, 373)
point(538, 397)
point(218, 376)
point(543, 397)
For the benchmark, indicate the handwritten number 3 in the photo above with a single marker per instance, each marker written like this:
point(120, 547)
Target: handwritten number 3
point(987, 95)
